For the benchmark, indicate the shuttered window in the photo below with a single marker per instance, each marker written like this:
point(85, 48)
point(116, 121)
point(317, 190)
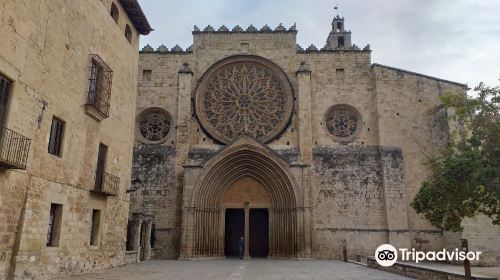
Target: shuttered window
point(56, 137)
point(4, 98)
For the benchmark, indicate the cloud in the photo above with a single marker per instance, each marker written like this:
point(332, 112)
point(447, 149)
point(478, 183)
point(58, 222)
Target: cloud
point(456, 40)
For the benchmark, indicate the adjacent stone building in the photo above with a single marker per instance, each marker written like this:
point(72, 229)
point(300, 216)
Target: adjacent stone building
point(67, 100)
point(247, 134)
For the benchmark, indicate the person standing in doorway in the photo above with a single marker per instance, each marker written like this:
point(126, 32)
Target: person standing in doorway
point(242, 247)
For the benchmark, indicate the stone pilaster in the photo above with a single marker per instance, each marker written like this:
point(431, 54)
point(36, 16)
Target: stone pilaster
point(183, 116)
point(304, 110)
point(391, 160)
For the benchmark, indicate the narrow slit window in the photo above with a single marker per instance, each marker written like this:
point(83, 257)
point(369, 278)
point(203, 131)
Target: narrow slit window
point(56, 137)
point(95, 227)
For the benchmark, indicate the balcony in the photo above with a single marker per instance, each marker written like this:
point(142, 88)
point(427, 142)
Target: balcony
point(14, 149)
point(107, 184)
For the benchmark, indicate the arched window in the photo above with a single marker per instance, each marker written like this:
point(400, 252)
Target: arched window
point(340, 42)
point(128, 33)
point(115, 14)
point(339, 25)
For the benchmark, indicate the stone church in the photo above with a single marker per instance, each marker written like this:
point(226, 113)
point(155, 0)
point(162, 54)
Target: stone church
point(299, 151)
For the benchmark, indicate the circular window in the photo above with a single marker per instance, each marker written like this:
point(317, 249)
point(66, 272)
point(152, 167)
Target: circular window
point(343, 122)
point(244, 94)
point(154, 125)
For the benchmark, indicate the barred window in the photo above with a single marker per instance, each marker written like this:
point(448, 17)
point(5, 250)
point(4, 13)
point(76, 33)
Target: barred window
point(56, 137)
point(4, 98)
point(54, 230)
point(100, 82)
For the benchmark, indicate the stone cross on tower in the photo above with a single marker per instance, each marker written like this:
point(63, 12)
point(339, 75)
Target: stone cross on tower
point(339, 38)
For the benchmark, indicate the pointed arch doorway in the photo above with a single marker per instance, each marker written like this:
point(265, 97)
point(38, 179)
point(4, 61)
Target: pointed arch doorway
point(248, 176)
point(246, 204)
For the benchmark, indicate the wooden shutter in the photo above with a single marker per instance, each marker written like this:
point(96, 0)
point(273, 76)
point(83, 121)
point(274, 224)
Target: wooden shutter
point(4, 98)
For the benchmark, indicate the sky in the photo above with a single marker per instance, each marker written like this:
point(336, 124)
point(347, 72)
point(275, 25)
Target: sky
point(457, 40)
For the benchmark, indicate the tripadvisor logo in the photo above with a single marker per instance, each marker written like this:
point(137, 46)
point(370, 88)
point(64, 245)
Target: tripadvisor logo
point(387, 255)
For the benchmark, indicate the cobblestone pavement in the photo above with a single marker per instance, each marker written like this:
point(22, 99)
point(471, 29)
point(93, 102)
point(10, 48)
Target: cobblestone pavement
point(236, 270)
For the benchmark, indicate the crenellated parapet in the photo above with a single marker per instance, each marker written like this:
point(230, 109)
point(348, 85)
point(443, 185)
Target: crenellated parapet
point(163, 49)
point(313, 49)
point(250, 29)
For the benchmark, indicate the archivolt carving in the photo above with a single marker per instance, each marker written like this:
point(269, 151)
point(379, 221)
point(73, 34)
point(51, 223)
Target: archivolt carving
point(244, 94)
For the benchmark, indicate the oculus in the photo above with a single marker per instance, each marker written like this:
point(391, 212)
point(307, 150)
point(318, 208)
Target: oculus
point(343, 122)
point(154, 125)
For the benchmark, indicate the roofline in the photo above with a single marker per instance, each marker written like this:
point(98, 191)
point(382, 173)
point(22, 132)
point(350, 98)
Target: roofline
point(137, 16)
point(465, 86)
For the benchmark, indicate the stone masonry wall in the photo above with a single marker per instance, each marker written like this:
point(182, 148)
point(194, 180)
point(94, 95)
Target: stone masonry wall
point(348, 201)
point(157, 194)
point(44, 51)
point(357, 186)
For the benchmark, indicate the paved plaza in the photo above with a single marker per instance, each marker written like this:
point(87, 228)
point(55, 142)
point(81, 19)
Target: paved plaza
point(259, 269)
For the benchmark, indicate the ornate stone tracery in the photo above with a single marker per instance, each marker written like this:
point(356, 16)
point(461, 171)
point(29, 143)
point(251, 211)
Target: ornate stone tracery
point(244, 94)
point(343, 122)
point(154, 124)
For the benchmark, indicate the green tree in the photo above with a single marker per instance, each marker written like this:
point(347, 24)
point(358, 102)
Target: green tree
point(465, 174)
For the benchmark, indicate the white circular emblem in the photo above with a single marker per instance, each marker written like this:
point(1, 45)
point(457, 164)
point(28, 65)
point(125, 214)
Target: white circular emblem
point(386, 255)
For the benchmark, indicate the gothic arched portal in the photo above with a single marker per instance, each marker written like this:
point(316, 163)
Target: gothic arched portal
point(216, 189)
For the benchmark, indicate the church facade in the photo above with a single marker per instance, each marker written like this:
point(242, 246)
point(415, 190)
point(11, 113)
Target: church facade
point(299, 151)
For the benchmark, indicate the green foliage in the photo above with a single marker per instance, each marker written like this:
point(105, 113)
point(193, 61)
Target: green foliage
point(465, 175)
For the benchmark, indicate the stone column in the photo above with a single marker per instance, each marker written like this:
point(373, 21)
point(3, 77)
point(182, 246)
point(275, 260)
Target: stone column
point(147, 241)
point(304, 111)
point(247, 230)
point(222, 233)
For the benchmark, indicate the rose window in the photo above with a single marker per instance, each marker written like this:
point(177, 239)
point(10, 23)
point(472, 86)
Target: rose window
point(154, 125)
point(244, 95)
point(342, 122)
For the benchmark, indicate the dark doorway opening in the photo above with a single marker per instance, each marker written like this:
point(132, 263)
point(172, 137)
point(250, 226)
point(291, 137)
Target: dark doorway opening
point(259, 233)
point(234, 230)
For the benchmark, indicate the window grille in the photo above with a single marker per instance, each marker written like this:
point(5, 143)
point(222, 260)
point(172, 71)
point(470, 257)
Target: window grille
point(4, 98)
point(55, 217)
point(100, 83)
point(56, 137)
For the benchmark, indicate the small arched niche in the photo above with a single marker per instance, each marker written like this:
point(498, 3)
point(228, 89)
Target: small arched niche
point(115, 14)
point(128, 33)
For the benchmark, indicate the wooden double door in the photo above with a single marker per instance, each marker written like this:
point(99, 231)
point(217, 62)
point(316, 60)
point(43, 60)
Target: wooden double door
point(258, 232)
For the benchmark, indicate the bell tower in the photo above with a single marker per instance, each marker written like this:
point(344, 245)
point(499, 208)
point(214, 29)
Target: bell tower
point(339, 38)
